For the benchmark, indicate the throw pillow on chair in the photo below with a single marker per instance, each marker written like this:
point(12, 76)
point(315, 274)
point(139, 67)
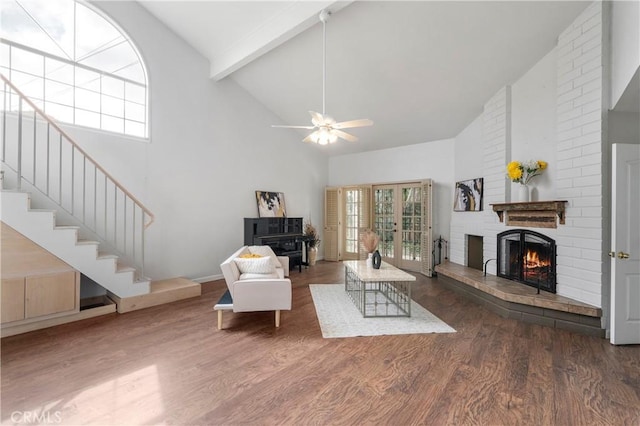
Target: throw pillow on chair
point(257, 265)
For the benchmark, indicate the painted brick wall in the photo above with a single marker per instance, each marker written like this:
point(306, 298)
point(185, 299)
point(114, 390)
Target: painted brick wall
point(496, 133)
point(496, 140)
point(580, 169)
point(580, 177)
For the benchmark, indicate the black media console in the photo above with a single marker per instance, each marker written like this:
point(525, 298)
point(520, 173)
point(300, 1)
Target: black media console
point(283, 234)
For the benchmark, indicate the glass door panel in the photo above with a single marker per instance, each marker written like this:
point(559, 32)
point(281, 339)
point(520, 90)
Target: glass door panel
point(411, 227)
point(352, 206)
point(384, 221)
point(398, 221)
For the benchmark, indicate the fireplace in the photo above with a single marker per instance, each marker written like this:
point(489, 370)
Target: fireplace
point(527, 257)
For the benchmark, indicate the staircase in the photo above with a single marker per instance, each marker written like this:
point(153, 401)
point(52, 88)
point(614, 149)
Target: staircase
point(39, 226)
point(65, 202)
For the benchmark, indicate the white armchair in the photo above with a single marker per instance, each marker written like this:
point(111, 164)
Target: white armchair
point(255, 288)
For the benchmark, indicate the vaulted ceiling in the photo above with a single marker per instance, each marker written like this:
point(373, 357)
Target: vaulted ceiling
point(421, 70)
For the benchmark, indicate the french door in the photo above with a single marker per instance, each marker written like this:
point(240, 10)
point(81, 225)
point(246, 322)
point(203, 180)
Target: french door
point(400, 214)
point(402, 219)
point(347, 214)
point(357, 214)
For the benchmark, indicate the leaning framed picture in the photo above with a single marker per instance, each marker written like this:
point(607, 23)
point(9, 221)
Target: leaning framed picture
point(468, 196)
point(271, 204)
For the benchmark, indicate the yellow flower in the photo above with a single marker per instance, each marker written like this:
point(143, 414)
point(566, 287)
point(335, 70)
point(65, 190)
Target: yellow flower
point(513, 165)
point(523, 172)
point(515, 173)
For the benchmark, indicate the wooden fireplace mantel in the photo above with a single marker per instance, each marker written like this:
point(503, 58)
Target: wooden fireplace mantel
point(535, 214)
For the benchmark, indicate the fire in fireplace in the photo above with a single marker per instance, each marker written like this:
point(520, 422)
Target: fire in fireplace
point(527, 257)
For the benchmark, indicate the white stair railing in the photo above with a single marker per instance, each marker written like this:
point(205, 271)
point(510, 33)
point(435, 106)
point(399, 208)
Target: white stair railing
point(41, 154)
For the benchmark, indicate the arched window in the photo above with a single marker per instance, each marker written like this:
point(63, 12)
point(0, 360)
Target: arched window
point(75, 64)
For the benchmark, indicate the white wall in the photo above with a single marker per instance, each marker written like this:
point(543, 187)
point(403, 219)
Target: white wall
point(625, 41)
point(468, 164)
point(210, 148)
point(533, 124)
point(431, 160)
point(624, 127)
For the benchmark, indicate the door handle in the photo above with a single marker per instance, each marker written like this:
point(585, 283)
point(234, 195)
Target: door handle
point(623, 255)
point(612, 254)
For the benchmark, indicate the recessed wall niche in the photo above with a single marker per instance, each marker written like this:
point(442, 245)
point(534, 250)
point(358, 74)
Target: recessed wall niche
point(474, 251)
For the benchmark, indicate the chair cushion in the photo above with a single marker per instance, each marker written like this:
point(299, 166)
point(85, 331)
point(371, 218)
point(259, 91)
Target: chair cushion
point(254, 276)
point(258, 265)
point(266, 251)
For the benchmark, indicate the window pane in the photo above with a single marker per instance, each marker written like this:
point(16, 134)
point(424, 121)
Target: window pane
point(31, 86)
point(4, 55)
point(59, 93)
point(134, 129)
point(92, 32)
point(87, 79)
point(134, 111)
point(112, 106)
point(113, 87)
point(27, 62)
point(134, 71)
point(135, 93)
point(88, 100)
point(58, 71)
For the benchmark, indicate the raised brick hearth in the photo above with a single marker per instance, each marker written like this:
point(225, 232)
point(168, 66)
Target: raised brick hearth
point(513, 300)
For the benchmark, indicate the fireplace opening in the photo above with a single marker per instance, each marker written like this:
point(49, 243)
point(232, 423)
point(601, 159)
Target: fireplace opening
point(527, 257)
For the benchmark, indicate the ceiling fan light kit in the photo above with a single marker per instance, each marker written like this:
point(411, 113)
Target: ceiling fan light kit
point(325, 129)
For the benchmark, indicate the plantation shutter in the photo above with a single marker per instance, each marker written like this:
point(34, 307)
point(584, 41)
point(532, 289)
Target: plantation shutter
point(331, 224)
point(427, 239)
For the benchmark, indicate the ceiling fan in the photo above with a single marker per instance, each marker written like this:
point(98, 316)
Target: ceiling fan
point(325, 129)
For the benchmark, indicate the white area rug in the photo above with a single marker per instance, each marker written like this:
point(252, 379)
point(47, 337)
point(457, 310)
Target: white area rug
point(339, 317)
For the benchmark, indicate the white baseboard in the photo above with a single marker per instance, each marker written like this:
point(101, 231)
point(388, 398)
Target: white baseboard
point(208, 278)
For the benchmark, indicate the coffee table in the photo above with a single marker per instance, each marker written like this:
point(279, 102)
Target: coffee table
point(384, 292)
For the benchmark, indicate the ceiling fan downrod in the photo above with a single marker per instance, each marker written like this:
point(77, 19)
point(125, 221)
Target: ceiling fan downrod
point(324, 17)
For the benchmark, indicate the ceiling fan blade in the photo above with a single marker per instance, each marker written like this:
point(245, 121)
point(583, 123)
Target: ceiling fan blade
point(344, 135)
point(292, 127)
point(353, 123)
point(321, 119)
point(308, 138)
point(316, 118)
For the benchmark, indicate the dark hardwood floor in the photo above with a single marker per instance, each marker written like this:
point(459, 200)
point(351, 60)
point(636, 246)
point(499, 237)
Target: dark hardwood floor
point(170, 365)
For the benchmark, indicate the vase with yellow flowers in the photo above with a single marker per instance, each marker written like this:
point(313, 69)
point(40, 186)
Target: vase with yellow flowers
point(522, 173)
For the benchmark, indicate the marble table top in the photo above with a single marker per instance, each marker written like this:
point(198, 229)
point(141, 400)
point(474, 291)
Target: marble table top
point(385, 273)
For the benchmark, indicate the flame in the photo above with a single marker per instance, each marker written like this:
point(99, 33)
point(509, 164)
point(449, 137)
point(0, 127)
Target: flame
point(532, 260)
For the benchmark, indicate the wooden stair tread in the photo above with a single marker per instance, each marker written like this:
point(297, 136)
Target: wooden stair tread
point(160, 292)
point(171, 284)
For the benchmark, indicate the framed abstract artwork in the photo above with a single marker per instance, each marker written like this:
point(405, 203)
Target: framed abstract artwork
point(468, 196)
point(271, 204)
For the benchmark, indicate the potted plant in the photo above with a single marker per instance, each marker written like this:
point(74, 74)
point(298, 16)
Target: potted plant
point(312, 242)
